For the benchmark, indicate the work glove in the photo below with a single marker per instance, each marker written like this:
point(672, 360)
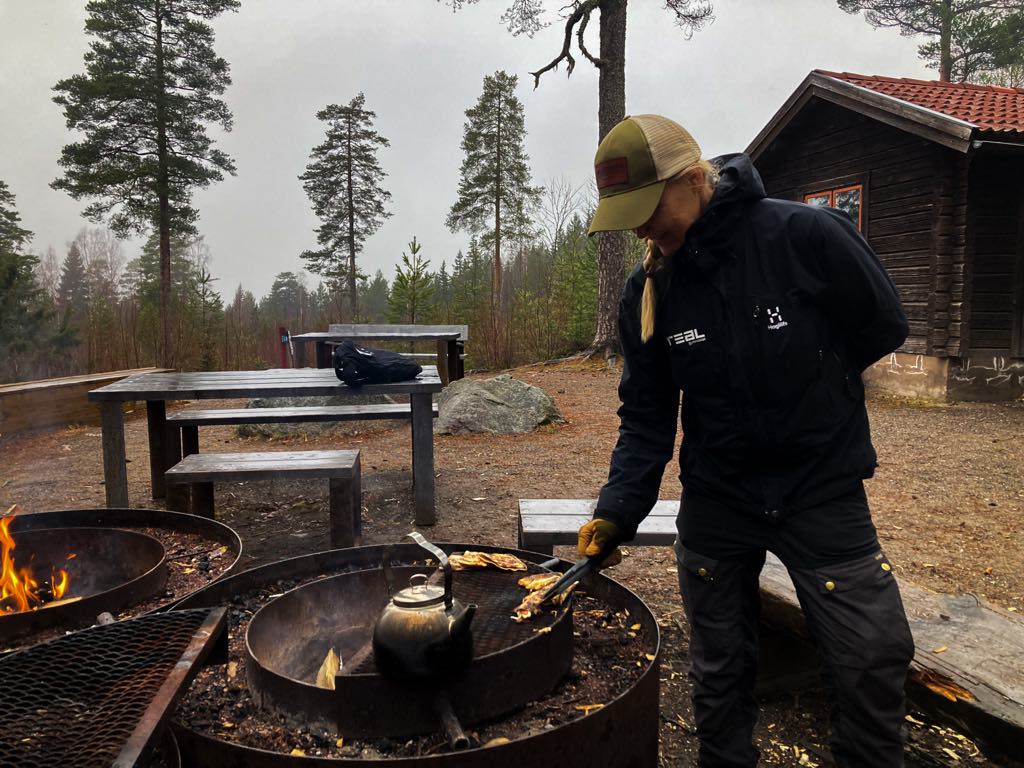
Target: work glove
point(600, 537)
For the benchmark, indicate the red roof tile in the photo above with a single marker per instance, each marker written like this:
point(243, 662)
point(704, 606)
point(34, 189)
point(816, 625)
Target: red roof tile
point(987, 107)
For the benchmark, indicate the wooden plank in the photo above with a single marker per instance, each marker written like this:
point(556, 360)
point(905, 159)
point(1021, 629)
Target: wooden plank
point(115, 472)
point(346, 527)
point(544, 523)
point(398, 336)
point(201, 417)
point(156, 428)
point(212, 467)
point(423, 459)
point(462, 330)
point(287, 382)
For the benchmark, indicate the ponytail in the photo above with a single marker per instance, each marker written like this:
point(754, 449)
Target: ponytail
point(652, 263)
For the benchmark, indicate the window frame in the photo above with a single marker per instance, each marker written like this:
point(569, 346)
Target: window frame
point(842, 184)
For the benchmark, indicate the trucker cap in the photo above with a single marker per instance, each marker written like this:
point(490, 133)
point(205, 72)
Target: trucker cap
point(632, 164)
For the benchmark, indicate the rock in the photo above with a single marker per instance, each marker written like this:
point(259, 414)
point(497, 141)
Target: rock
point(500, 405)
point(308, 428)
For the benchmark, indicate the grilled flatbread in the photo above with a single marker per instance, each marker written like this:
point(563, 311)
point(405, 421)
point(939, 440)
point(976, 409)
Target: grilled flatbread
point(470, 559)
point(536, 581)
point(533, 603)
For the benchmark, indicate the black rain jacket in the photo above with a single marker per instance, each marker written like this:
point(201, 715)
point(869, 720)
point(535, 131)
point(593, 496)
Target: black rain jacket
point(765, 319)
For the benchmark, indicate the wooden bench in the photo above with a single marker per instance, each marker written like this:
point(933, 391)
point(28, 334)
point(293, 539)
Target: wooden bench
point(189, 421)
point(200, 471)
point(967, 669)
point(545, 523)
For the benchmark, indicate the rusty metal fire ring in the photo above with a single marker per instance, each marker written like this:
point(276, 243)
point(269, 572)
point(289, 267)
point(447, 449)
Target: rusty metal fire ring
point(289, 637)
point(110, 570)
point(622, 734)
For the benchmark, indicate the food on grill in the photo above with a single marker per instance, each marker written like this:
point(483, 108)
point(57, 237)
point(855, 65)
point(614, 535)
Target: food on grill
point(533, 604)
point(469, 559)
point(536, 581)
point(330, 667)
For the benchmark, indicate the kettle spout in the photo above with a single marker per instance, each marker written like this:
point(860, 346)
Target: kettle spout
point(462, 620)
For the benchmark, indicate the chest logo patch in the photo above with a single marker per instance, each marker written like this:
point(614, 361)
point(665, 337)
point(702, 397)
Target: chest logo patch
point(775, 321)
point(690, 337)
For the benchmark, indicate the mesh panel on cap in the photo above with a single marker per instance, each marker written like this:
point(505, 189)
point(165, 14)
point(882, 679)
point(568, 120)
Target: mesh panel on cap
point(673, 149)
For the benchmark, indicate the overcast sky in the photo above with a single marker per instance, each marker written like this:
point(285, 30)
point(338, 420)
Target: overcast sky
point(421, 66)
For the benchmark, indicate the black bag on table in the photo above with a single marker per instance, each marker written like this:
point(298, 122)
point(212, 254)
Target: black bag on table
point(356, 365)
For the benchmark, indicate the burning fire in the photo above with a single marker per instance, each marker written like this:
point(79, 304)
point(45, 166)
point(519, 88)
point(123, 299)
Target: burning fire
point(19, 588)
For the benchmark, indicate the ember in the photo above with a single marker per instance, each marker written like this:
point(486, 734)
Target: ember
point(20, 589)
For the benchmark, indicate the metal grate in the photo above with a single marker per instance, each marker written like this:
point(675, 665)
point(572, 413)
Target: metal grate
point(496, 594)
point(99, 696)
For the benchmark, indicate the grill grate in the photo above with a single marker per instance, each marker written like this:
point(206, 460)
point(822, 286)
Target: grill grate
point(98, 697)
point(496, 594)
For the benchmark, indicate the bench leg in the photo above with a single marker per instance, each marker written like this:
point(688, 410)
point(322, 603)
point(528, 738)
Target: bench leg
point(346, 511)
point(156, 429)
point(177, 497)
point(189, 440)
point(423, 458)
point(202, 499)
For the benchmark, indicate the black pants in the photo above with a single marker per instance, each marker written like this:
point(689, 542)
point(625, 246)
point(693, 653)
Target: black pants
point(853, 611)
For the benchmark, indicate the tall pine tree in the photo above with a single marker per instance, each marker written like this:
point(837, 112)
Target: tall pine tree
point(494, 189)
point(343, 181)
point(152, 83)
point(969, 38)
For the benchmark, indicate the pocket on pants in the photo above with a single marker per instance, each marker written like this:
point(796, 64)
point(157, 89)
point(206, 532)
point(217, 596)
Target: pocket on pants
point(702, 567)
point(859, 614)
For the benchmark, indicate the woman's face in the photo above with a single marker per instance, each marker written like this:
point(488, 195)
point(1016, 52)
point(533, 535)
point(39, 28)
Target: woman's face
point(681, 204)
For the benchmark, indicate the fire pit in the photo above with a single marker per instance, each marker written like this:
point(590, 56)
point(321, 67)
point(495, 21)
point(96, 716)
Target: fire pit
point(126, 562)
point(289, 638)
point(104, 569)
point(615, 725)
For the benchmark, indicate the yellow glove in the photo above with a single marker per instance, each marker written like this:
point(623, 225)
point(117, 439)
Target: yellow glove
point(597, 537)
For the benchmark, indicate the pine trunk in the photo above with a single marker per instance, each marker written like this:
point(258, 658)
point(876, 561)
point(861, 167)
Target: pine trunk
point(353, 297)
point(611, 109)
point(163, 194)
point(945, 40)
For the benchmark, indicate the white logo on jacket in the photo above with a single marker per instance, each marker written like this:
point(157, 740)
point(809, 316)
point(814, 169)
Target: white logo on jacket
point(775, 321)
point(690, 337)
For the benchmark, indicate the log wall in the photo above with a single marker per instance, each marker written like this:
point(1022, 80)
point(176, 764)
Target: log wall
point(34, 405)
point(914, 207)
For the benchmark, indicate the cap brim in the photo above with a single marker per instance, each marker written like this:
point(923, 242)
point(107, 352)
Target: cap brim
point(626, 210)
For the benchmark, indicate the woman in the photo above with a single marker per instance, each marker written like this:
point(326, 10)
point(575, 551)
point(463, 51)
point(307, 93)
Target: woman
point(763, 314)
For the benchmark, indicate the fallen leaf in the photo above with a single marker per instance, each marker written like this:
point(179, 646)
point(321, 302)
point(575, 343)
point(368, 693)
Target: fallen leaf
point(988, 571)
point(911, 719)
point(297, 752)
point(635, 627)
point(940, 649)
point(649, 656)
point(340, 743)
point(586, 709)
point(479, 498)
point(951, 753)
point(497, 741)
point(227, 724)
point(232, 669)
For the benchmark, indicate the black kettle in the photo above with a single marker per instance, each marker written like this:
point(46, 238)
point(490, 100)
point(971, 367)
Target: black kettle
point(423, 631)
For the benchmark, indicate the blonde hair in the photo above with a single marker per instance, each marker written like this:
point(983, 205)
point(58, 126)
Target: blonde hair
point(654, 258)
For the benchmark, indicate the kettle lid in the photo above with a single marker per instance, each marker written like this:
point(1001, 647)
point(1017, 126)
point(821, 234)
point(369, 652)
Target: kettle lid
point(419, 594)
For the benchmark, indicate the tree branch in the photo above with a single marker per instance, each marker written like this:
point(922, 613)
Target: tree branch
point(580, 14)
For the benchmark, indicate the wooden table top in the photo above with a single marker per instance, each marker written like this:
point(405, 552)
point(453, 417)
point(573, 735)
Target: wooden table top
point(410, 335)
point(274, 382)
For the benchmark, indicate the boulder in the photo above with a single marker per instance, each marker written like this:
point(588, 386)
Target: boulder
point(500, 405)
point(310, 429)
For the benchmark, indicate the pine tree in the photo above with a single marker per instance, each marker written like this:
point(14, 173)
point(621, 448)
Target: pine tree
point(343, 181)
point(373, 299)
point(412, 288)
point(969, 38)
point(25, 313)
point(527, 17)
point(151, 84)
point(494, 188)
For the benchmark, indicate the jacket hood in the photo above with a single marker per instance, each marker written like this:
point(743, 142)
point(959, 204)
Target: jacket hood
point(738, 180)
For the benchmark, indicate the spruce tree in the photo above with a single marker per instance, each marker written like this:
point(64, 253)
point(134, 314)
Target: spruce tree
point(343, 182)
point(73, 290)
point(152, 83)
point(494, 188)
point(412, 289)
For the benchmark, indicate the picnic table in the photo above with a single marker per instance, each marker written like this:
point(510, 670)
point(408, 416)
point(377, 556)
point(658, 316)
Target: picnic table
point(165, 442)
point(450, 341)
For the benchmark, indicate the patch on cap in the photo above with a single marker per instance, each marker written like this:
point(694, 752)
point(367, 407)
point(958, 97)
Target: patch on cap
point(612, 172)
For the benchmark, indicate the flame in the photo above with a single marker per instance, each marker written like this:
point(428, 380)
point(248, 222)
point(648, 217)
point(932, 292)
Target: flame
point(19, 588)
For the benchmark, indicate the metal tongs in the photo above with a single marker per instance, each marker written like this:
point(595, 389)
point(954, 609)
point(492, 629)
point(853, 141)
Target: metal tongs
point(582, 569)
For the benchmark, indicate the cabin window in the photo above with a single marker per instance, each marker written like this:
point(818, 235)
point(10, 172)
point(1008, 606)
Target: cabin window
point(846, 199)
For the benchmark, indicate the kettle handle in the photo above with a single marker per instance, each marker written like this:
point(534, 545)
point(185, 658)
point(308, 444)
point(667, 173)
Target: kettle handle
point(442, 558)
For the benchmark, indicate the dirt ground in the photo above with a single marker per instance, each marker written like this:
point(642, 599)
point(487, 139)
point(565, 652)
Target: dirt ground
point(948, 498)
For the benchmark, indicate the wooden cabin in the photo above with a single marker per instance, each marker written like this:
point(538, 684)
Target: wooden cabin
point(933, 173)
